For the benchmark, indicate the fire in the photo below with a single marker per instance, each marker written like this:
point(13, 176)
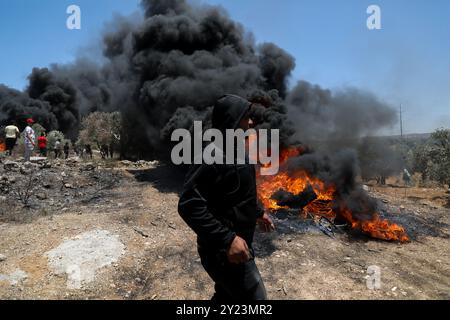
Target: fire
point(2, 147)
point(325, 203)
point(289, 153)
point(267, 185)
point(295, 184)
point(377, 227)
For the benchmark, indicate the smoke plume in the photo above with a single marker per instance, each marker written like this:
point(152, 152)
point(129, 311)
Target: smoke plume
point(167, 69)
point(341, 117)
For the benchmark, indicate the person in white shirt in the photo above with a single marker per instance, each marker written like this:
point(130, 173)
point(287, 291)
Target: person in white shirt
point(29, 140)
point(12, 132)
point(57, 148)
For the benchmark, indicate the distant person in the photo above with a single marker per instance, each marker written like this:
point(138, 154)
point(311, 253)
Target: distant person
point(76, 149)
point(80, 151)
point(57, 148)
point(66, 150)
point(29, 140)
point(111, 151)
point(88, 150)
point(12, 133)
point(42, 144)
point(104, 151)
point(406, 177)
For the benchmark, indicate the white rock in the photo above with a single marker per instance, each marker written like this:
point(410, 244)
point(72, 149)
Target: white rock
point(17, 276)
point(81, 257)
point(14, 278)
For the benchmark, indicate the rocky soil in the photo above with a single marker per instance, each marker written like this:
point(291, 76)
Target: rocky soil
point(110, 230)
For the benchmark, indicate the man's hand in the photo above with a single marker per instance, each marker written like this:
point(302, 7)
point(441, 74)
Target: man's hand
point(266, 223)
point(238, 252)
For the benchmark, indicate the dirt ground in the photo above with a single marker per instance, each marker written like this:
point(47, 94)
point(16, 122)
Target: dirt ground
point(298, 261)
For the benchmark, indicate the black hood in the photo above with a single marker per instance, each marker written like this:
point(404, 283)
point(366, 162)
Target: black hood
point(229, 111)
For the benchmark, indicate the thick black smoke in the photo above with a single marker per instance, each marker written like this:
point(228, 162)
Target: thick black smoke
point(276, 65)
point(340, 117)
point(16, 107)
point(167, 68)
point(164, 7)
point(59, 94)
point(338, 170)
point(181, 59)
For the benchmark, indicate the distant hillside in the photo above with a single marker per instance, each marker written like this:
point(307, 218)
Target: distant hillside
point(412, 136)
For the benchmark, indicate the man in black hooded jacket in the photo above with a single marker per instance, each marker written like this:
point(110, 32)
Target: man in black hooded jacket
point(219, 202)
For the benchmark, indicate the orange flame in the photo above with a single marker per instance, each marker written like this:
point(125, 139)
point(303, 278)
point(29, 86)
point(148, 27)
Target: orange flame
point(377, 228)
point(2, 147)
point(290, 153)
point(298, 181)
point(267, 185)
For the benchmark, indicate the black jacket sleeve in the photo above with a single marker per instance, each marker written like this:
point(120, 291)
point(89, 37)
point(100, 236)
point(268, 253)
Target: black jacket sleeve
point(193, 208)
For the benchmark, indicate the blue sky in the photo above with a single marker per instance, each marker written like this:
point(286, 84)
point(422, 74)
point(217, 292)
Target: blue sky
point(407, 62)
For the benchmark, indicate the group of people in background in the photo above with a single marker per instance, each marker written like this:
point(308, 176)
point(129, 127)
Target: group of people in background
point(12, 134)
point(59, 148)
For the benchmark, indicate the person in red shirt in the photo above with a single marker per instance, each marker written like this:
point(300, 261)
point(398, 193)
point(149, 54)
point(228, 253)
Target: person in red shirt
point(42, 144)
